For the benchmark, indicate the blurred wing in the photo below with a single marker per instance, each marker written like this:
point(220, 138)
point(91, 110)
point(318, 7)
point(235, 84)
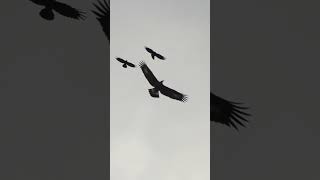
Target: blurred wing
point(68, 11)
point(149, 50)
point(103, 16)
point(173, 94)
point(148, 74)
point(130, 64)
point(40, 2)
point(226, 112)
point(121, 60)
point(160, 56)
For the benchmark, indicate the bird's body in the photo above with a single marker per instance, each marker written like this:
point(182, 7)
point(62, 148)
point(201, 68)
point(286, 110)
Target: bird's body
point(125, 63)
point(102, 13)
point(159, 87)
point(154, 54)
point(226, 112)
point(52, 5)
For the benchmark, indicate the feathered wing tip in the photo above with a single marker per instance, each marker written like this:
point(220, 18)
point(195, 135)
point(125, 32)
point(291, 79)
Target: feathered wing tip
point(185, 98)
point(142, 63)
point(237, 115)
point(82, 14)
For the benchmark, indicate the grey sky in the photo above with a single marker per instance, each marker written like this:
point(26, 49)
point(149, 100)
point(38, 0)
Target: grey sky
point(160, 138)
point(266, 54)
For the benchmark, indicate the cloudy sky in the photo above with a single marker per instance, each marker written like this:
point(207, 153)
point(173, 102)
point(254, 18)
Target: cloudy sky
point(160, 138)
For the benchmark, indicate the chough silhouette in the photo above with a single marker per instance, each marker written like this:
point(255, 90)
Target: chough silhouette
point(154, 54)
point(125, 63)
point(159, 87)
point(226, 112)
point(102, 13)
point(65, 10)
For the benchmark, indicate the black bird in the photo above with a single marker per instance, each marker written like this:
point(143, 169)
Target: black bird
point(103, 16)
point(61, 8)
point(226, 112)
point(154, 54)
point(159, 87)
point(125, 63)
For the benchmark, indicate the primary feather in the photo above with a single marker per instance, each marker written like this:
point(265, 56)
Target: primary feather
point(102, 13)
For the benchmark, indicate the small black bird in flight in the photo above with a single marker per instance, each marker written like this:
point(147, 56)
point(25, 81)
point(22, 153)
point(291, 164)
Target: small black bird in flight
point(103, 16)
point(226, 112)
point(154, 54)
point(125, 63)
point(61, 8)
point(159, 87)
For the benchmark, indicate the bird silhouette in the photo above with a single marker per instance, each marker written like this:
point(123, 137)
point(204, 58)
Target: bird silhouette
point(154, 54)
point(159, 87)
point(226, 112)
point(61, 8)
point(125, 63)
point(102, 13)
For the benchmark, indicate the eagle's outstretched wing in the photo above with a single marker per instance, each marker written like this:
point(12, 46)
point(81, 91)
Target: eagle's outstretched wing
point(159, 56)
point(226, 112)
point(121, 60)
point(148, 74)
point(41, 2)
point(130, 64)
point(103, 16)
point(173, 94)
point(149, 50)
point(68, 11)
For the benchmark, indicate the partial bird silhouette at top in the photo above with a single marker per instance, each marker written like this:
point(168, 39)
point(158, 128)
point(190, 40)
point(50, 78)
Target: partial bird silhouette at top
point(61, 8)
point(154, 54)
point(226, 112)
point(159, 87)
point(125, 63)
point(103, 16)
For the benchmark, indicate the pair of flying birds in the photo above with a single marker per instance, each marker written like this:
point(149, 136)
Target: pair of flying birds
point(102, 12)
point(157, 85)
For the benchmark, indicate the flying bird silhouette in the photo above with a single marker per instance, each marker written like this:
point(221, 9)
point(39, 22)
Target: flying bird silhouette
point(103, 16)
point(159, 87)
point(61, 8)
point(226, 112)
point(125, 63)
point(154, 54)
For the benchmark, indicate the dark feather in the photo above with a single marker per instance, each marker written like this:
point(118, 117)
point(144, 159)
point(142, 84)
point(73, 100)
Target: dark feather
point(227, 112)
point(102, 13)
point(148, 74)
point(173, 94)
point(68, 11)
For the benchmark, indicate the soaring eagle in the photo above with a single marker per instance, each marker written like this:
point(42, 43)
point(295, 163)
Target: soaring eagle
point(226, 112)
point(159, 87)
point(154, 54)
point(61, 8)
point(103, 16)
point(125, 63)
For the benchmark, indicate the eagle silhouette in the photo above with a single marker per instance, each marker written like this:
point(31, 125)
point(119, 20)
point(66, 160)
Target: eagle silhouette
point(159, 87)
point(154, 54)
point(125, 63)
point(61, 8)
point(102, 13)
point(226, 112)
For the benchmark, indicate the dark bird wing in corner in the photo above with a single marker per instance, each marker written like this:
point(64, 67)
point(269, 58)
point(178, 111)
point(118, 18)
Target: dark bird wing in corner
point(68, 11)
point(148, 74)
point(227, 112)
point(173, 94)
point(103, 16)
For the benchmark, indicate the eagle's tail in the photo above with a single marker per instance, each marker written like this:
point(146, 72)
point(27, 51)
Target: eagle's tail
point(124, 65)
point(154, 92)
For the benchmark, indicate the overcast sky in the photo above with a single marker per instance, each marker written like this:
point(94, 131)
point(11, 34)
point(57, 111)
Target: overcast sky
point(160, 138)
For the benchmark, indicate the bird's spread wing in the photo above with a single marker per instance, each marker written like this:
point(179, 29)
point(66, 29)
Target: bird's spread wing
point(226, 112)
point(68, 11)
point(149, 50)
point(102, 13)
point(130, 64)
point(148, 74)
point(40, 2)
point(160, 56)
point(121, 60)
point(173, 94)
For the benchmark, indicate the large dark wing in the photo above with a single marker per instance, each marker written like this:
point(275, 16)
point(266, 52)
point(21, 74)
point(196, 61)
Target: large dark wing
point(68, 11)
point(173, 94)
point(41, 2)
point(149, 50)
point(160, 56)
point(103, 16)
point(148, 74)
point(121, 60)
point(226, 112)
